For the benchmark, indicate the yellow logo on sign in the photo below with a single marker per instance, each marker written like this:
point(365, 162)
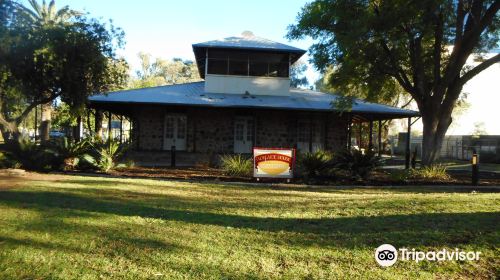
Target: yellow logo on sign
point(273, 167)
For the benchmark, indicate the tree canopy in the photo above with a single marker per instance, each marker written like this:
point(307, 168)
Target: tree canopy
point(66, 61)
point(297, 74)
point(422, 47)
point(159, 72)
point(47, 14)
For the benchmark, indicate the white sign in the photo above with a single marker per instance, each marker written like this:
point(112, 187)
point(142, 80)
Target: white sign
point(273, 162)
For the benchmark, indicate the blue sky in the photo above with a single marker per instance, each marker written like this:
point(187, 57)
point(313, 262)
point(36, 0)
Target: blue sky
point(168, 28)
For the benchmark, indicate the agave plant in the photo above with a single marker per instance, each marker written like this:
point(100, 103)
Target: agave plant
point(356, 162)
point(104, 155)
point(68, 151)
point(316, 164)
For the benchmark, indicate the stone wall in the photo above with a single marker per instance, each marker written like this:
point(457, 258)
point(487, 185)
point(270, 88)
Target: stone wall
point(336, 132)
point(211, 130)
point(148, 128)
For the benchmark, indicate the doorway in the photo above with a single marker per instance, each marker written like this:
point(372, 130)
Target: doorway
point(243, 135)
point(175, 132)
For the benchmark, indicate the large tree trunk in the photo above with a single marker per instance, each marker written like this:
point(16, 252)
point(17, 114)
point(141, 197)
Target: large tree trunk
point(432, 140)
point(436, 119)
point(45, 122)
point(9, 131)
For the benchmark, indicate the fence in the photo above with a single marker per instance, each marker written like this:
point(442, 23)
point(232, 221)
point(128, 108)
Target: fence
point(455, 146)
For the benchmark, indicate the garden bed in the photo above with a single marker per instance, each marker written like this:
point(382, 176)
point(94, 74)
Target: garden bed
point(377, 178)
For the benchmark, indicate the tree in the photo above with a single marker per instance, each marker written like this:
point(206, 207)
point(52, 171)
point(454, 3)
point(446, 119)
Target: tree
point(68, 62)
point(479, 129)
point(422, 45)
point(162, 72)
point(297, 74)
point(46, 15)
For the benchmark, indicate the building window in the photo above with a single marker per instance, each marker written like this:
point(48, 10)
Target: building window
point(238, 133)
point(238, 67)
point(169, 128)
point(181, 127)
point(258, 69)
point(217, 66)
point(309, 135)
point(239, 63)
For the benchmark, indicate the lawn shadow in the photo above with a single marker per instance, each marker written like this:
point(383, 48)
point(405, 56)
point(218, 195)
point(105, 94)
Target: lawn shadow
point(104, 180)
point(422, 229)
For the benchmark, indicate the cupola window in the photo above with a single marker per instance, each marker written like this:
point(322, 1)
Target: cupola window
point(247, 63)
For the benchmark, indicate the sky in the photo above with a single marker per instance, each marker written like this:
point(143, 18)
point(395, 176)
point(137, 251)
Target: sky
point(167, 29)
point(483, 95)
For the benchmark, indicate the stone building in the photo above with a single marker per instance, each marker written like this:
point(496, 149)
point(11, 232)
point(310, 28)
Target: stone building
point(245, 101)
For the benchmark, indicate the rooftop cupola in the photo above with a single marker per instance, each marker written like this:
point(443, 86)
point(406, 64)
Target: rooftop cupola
point(246, 64)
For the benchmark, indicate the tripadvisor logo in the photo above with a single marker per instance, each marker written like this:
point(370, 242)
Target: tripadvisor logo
point(387, 255)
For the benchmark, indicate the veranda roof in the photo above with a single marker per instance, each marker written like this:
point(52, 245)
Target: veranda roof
point(193, 94)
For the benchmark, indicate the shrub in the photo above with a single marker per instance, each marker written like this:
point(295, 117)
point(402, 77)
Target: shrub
point(434, 172)
point(236, 165)
point(357, 163)
point(67, 152)
point(27, 154)
point(4, 161)
point(316, 164)
point(102, 155)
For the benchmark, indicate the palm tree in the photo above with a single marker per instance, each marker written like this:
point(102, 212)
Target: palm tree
point(47, 14)
point(40, 16)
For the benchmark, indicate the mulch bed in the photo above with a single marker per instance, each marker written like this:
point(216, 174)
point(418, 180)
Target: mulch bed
point(377, 178)
point(186, 173)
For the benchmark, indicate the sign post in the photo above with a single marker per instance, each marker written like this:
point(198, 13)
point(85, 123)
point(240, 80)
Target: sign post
point(273, 163)
point(475, 168)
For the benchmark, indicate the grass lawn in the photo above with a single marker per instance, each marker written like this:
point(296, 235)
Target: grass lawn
point(70, 227)
point(465, 165)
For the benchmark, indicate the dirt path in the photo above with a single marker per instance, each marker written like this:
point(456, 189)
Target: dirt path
point(13, 178)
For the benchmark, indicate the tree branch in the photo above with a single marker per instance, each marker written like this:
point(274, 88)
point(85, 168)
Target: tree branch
point(30, 107)
point(399, 74)
point(478, 69)
point(407, 103)
point(4, 122)
point(438, 41)
point(474, 30)
point(470, 38)
point(459, 26)
point(415, 49)
point(474, 15)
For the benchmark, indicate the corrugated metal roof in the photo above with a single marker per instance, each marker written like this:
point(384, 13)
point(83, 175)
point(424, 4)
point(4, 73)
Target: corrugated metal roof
point(249, 42)
point(193, 94)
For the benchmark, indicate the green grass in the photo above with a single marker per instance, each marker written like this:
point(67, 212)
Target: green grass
point(466, 165)
point(69, 227)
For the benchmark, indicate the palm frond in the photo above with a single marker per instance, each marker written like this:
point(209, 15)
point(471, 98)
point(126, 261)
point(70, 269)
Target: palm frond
point(36, 7)
point(51, 11)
